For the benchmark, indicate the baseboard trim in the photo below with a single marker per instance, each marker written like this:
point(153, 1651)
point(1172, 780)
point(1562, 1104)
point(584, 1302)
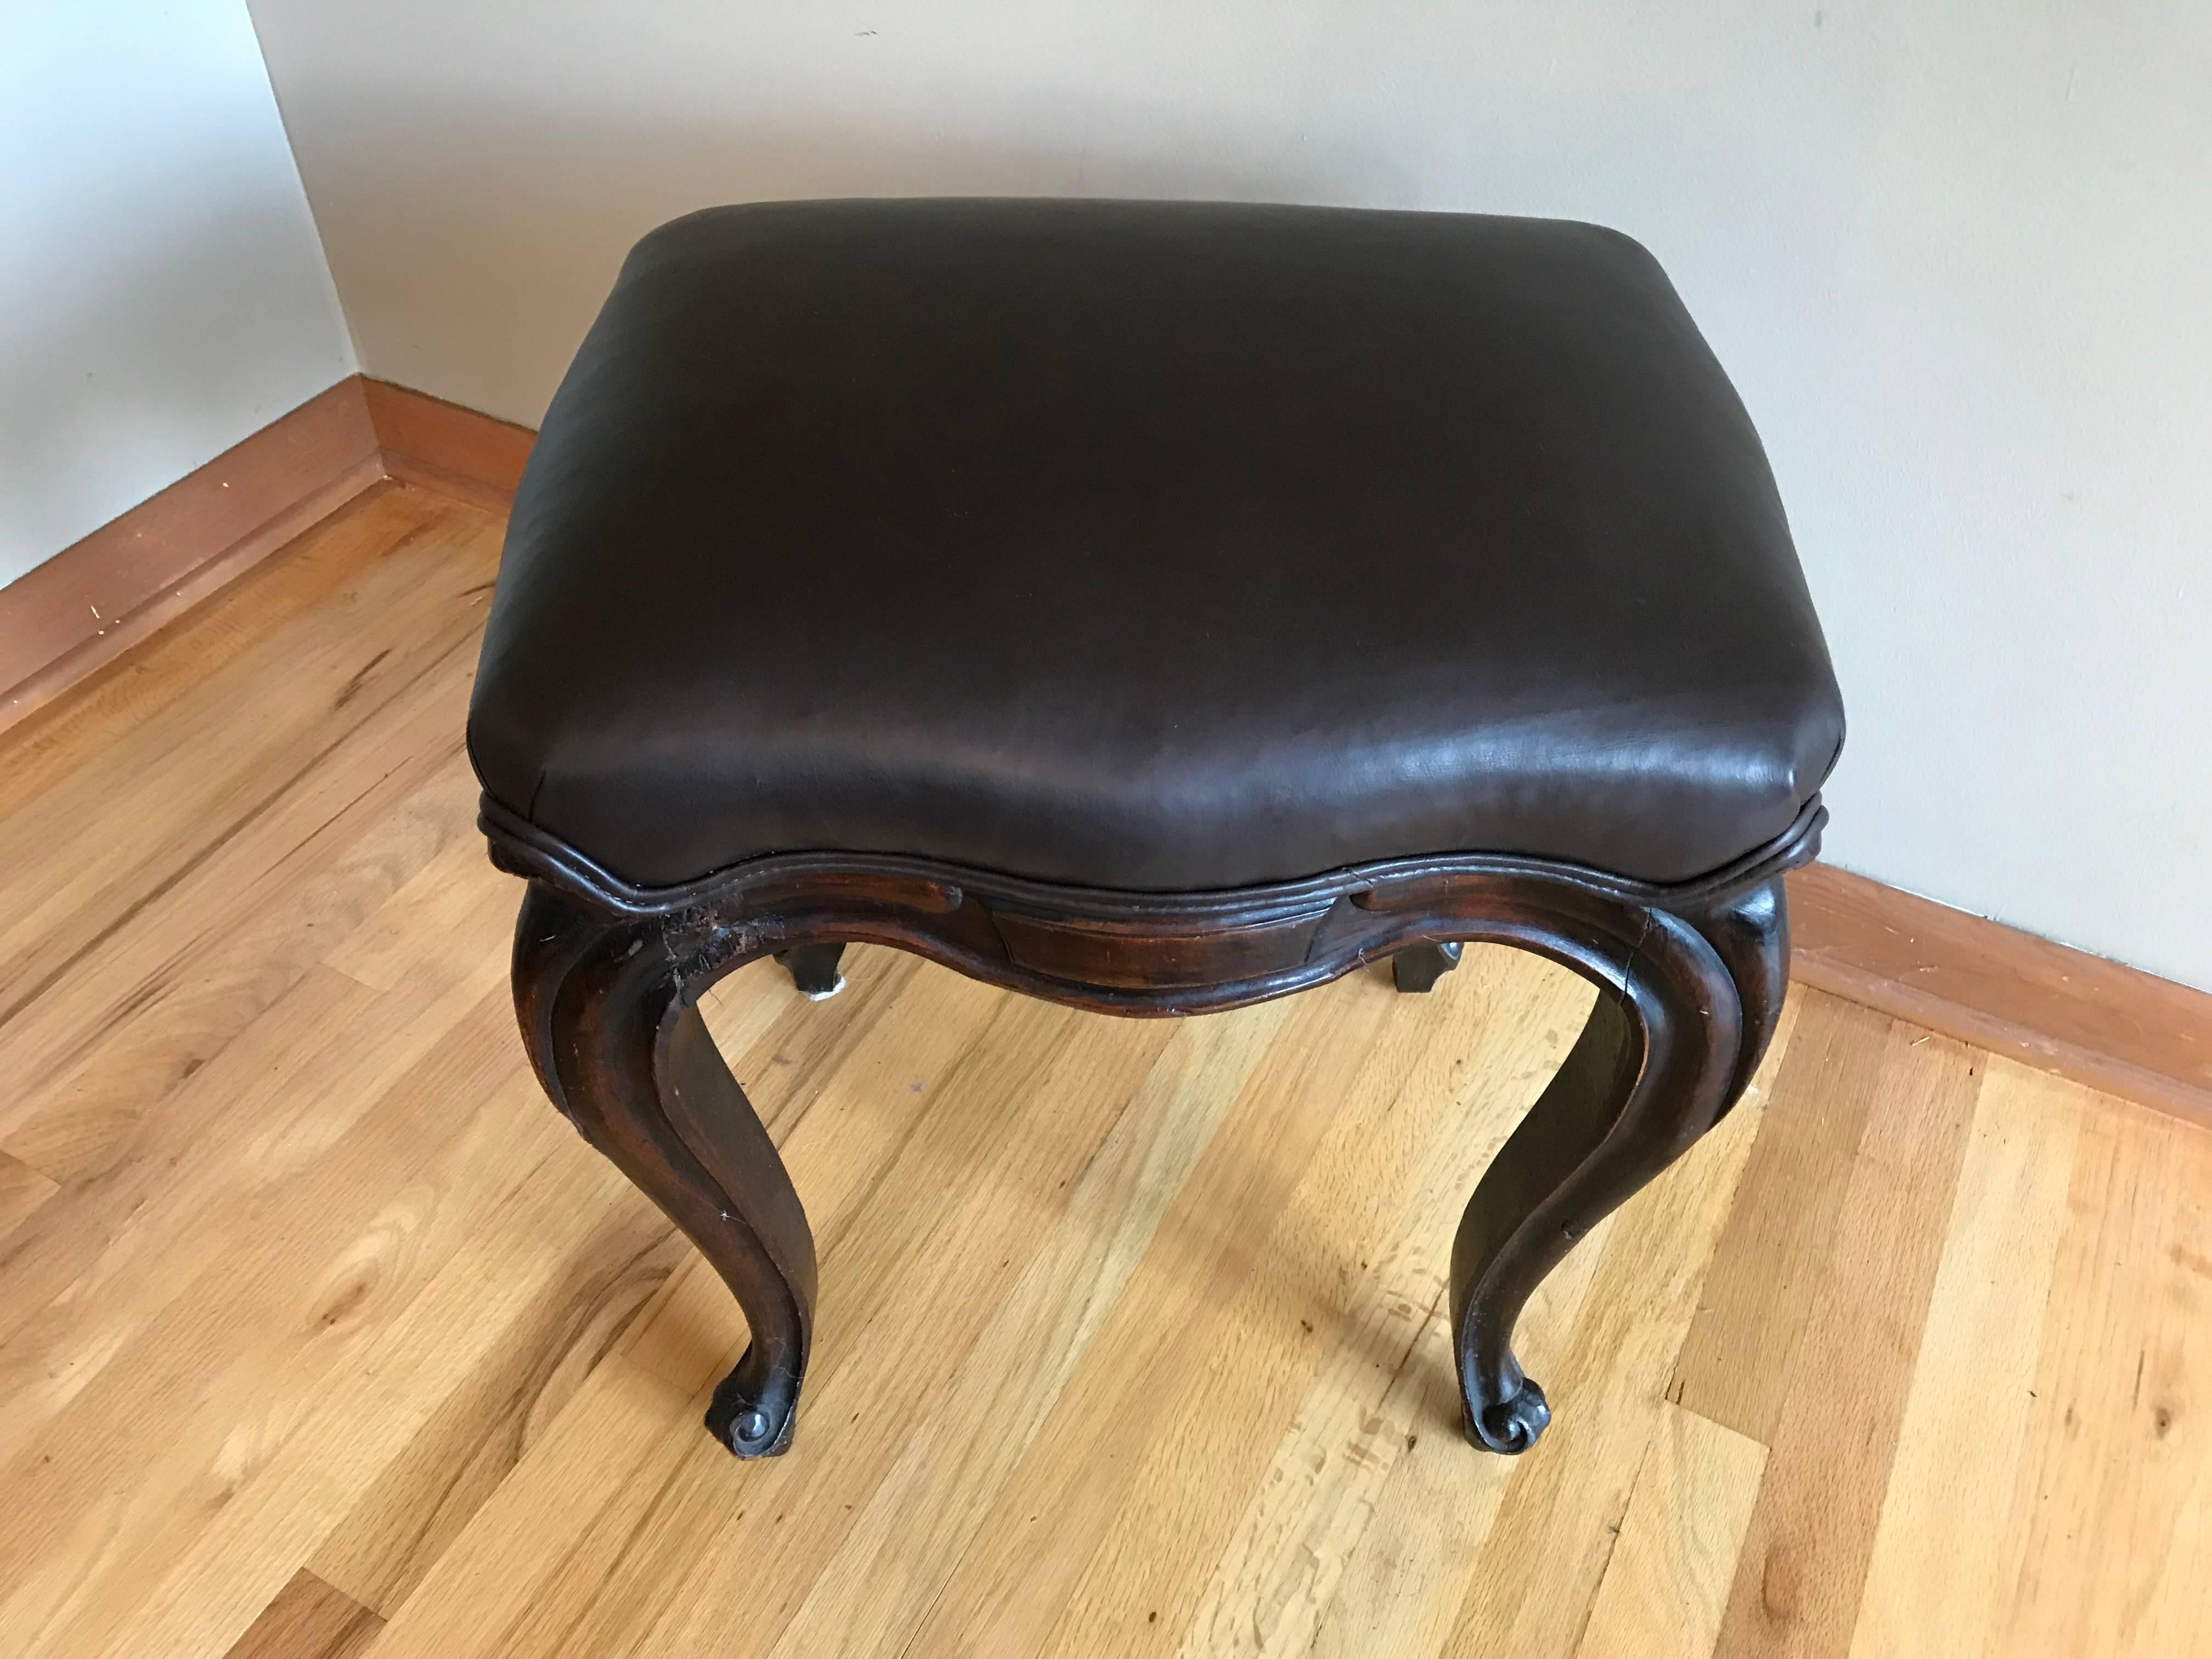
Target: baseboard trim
point(443, 446)
point(63, 619)
point(2059, 1010)
point(2115, 1028)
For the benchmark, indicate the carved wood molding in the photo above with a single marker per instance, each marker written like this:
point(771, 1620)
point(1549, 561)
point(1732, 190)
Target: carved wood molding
point(1143, 953)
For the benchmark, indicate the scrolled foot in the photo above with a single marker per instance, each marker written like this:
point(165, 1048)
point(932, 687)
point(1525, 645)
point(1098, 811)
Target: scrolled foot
point(747, 1426)
point(1511, 1426)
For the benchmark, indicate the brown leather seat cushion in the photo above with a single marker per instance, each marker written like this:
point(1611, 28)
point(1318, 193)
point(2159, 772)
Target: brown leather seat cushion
point(1149, 545)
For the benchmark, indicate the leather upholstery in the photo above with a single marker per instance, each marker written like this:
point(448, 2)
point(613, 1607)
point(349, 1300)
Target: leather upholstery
point(1146, 545)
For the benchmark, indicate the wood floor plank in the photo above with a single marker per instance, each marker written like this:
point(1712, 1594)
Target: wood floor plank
point(483, 1429)
point(883, 1577)
point(1010, 1587)
point(853, 1132)
point(1772, 1260)
point(1399, 1591)
point(1311, 1377)
point(1337, 1308)
point(687, 1528)
point(1804, 1570)
point(434, 902)
point(209, 766)
point(22, 1190)
point(369, 1413)
point(201, 1393)
point(46, 746)
point(1667, 1582)
point(964, 1202)
point(308, 1621)
point(59, 1323)
point(98, 1054)
point(293, 1082)
point(98, 1261)
point(1408, 1587)
point(967, 1205)
point(1973, 1390)
point(1306, 1515)
point(587, 1491)
point(1531, 1588)
point(91, 1208)
point(2108, 1547)
point(214, 948)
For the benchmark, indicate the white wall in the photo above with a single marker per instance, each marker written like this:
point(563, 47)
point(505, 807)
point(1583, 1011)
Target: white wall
point(162, 293)
point(1958, 256)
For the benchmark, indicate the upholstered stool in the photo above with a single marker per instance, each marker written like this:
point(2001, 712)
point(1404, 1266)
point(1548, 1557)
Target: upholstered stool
point(1156, 608)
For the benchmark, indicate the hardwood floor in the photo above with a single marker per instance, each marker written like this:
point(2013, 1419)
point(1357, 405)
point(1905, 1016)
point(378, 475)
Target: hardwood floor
point(321, 1334)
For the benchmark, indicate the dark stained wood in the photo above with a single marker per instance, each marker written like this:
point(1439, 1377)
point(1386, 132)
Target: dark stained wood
point(1665, 1053)
point(607, 976)
point(611, 1020)
point(1139, 955)
point(813, 969)
point(1417, 968)
point(904, 892)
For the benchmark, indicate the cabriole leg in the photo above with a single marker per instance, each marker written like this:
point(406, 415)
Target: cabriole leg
point(632, 1067)
point(1662, 1058)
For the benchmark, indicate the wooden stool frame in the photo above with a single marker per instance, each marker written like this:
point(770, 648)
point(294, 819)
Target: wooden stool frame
point(1690, 979)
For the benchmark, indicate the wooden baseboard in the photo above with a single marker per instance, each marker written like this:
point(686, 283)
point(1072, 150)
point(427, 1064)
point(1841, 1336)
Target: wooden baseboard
point(443, 446)
point(2097, 1022)
point(2114, 1027)
point(63, 619)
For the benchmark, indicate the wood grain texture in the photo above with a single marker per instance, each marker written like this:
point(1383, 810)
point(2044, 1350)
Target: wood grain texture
point(22, 1190)
point(2101, 1023)
point(2108, 1544)
point(426, 440)
point(320, 1335)
point(1771, 1266)
point(1974, 1389)
point(92, 605)
point(39, 748)
point(1799, 1580)
point(1666, 1583)
point(62, 619)
point(1531, 1587)
point(308, 1621)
